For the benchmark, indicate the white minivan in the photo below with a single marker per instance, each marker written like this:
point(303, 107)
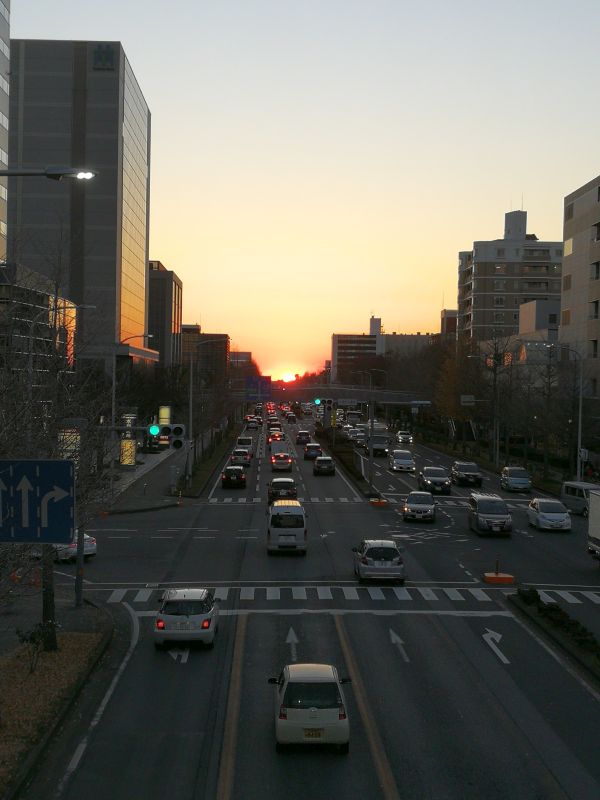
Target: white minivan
point(286, 527)
point(247, 442)
point(576, 496)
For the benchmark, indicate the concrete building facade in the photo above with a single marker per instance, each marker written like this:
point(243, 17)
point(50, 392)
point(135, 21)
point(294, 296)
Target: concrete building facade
point(165, 297)
point(580, 300)
point(4, 114)
point(496, 277)
point(78, 103)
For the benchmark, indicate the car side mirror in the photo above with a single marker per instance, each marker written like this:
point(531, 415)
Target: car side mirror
point(272, 680)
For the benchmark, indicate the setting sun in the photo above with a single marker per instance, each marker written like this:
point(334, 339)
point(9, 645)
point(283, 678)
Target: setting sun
point(287, 377)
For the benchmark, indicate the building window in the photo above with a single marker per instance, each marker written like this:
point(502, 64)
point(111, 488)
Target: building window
point(498, 316)
point(565, 317)
point(499, 286)
point(498, 301)
point(515, 317)
point(595, 271)
point(569, 211)
point(594, 309)
point(500, 269)
point(558, 252)
point(552, 319)
point(566, 283)
point(596, 232)
point(593, 348)
point(500, 252)
point(568, 248)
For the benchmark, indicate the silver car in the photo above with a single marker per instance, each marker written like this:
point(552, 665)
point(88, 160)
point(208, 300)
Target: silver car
point(419, 505)
point(186, 615)
point(378, 559)
point(404, 437)
point(515, 479)
point(401, 461)
point(548, 515)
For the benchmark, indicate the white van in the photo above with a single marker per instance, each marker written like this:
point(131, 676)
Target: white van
point(286, 526)
point(247, 442)
point(575, 495)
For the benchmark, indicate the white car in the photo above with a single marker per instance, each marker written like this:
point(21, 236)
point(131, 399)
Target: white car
point(310, 707)
point(404, 437)
point(548, 515)
point(240, 457)
point(401, 461)
point(68, 552)
point(378, 559)
point(186, 615)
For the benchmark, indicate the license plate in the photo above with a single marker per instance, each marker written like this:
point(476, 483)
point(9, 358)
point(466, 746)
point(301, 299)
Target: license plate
point(183, 626)
point(313, 733)
point(496, 528)
point(285, 539)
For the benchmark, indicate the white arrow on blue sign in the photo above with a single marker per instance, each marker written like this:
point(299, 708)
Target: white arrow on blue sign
point(37, 501)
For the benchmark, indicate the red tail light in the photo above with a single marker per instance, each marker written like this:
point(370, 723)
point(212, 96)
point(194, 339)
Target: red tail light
point(342, 712)
point(160, 624)
point(205, 624)
point(282, 712)
point(273, 459)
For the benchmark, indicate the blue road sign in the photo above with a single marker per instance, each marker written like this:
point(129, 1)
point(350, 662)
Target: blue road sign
point(258, 387)
point(37, 501)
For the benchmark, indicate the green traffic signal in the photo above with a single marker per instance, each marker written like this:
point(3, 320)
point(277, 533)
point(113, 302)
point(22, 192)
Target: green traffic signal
point(153, 430)
point(317, 401)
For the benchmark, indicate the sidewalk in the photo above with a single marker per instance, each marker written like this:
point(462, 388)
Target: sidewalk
point(148, 487)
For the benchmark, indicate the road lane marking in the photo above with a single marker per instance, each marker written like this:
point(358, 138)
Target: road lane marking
point(117, 595)
point(378, 754)
point(570, 598)
point(376, 612)
point(143, 595)
point(227, 765)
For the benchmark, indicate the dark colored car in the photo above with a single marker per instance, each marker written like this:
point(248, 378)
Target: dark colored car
point(281, 489)
point(302, 437)
point(233, 476)
point(467, 473)
point(324, 465)
point(312, 450)
point(435, 480)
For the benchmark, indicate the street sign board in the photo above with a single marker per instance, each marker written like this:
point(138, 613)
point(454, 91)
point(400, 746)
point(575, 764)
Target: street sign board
point(467, 399)
point(258, 387)
point(37, 501)
point(345, 402)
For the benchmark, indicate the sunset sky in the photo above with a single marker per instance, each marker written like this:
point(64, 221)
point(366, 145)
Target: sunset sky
point(318, 161)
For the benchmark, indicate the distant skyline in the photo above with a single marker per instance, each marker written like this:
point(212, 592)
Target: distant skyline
point(315, 163)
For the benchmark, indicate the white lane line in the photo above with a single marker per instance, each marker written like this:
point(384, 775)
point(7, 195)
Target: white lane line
point(479, 594)
point(111, 530)
point(116, 595)
point(428, 594)
point(82, 746)
point(324, 593)
point(273, 593)
point(247, 593)
point(142, 595)
point(205, 537)
point(593, 596)
point(401, 593)
point(375, 593)
point(213, 500)
point(454, 594)
point(162, 537)
point(298, 593)
point(221, 592)
point(545, 597)
point(119, 537)
point(570, 598)
point(350, 592)
point(246, 537)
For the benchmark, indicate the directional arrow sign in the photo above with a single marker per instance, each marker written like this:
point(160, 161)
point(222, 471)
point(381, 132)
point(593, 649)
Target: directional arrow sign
point(37, 501)
point(181, 654)
point(492, 638)
point(292, 640)
point(399, 645)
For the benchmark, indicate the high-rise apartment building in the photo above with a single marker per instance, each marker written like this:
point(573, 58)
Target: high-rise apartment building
point(580, 301)
point(78, 104)
point(496, 277)
point(164, 313)
point(4, 112)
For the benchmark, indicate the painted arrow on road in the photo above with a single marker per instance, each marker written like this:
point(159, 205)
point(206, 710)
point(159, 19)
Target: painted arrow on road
point(24, 486)
point(56, 494)
point(492, 638)
point(292, 640)
point(181, 654)
point(399, 644)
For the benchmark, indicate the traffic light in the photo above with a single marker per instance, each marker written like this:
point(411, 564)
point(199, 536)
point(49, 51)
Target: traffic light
point(154, 429)
point(329, 404)
point(317, 401)
point(176, 434)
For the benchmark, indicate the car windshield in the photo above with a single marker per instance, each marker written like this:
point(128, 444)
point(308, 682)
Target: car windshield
point(312, 695)
point(518, 473)
point(287, 521)
point(402, 455)
point(435, 472)
point(468, 467)
point(552, 507)
point(420, 499)
point(382, 553)
point(185, 608)
point(492, 507)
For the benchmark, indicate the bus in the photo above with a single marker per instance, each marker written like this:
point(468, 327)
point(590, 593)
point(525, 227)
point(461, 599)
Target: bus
point(353, 417)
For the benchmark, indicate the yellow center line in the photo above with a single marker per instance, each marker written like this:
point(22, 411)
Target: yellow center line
point(382, 765)
point(227, 765)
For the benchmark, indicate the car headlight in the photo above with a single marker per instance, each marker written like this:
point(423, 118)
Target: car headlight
point(427, 480)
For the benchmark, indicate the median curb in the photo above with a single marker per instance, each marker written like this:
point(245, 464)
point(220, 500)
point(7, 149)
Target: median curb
point(35, 754)
point(499, 578)
point(112, 511)
point(583, 659)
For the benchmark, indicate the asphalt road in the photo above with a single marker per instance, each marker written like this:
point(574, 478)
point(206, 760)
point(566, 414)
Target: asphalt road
point(451, 695)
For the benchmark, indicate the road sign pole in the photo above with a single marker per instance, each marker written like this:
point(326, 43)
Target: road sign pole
point(48, 607)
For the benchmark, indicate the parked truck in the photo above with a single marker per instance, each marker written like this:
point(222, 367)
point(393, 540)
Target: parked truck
point(593, 538)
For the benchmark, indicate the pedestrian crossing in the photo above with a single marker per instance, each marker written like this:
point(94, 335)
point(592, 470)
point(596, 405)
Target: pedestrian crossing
point(394, 595)
point(250, 500)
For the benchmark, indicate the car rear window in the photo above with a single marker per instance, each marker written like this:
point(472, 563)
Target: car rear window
point(518, 473)
point(312, 695)
point(244, 441)
point(186, 608)
point(382, 553)
point(466, 466)
point(287, 521)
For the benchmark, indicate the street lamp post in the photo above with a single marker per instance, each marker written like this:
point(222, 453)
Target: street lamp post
point(579, 400)
point(53, 173)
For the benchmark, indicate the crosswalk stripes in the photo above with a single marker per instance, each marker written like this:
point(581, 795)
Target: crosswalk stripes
point(233, 501)
point(354, 594)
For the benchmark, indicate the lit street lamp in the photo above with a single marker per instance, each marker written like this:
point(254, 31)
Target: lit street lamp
point(53, 173)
